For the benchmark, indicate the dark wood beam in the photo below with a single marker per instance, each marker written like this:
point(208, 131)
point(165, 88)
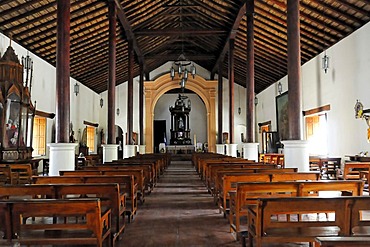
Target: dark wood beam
point(112, 56)
point(232, 35)
point(180, 32)
point(129, 33)
point(63, 72)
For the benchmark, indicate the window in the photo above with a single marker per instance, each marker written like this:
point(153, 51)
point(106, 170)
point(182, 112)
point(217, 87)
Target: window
point(39, 136)
point(91, 138)
point(316, 134)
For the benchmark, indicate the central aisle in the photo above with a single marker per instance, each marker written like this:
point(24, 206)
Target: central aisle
point(179, 212)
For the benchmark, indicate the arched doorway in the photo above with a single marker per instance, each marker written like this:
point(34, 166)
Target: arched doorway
point(164, 121)
point(206, 90)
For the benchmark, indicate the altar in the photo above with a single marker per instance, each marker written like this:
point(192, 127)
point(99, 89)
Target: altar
point(180, 149)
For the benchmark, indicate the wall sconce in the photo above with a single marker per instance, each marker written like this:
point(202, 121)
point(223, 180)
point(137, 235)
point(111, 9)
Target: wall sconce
point(280, 88)
point(255, 100)
point(325, 63)
point(76, 89)
point(117, 111)
point(101, 102)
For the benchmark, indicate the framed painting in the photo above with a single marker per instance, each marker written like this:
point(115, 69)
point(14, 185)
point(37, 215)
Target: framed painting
point(282, 116)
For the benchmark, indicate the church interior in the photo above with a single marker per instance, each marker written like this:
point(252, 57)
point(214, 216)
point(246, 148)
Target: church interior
point(184, 123)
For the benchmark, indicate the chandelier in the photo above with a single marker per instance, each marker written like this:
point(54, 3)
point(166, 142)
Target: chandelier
point(184, 67)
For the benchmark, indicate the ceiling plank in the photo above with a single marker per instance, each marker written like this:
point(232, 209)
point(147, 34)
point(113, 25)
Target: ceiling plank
point(232, 35)
point(129, 33)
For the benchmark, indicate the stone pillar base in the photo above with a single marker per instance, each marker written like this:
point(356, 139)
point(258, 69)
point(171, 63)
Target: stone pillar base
point(250, 151)
point(142, 149)
point(231, 149)
point(62, 157)
point(110, 152)
point(131, 150)
point(296, 154)
point(220, 148)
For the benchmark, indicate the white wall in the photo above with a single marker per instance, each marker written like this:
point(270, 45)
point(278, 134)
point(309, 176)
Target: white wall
point(85, 106)
point(197, 115)
point(347, 80)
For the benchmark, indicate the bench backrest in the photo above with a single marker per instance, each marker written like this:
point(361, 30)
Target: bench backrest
point(27, 191)
point(89, 208)
point(294, 176)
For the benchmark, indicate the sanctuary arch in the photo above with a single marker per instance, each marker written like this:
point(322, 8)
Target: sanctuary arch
point(206, 90)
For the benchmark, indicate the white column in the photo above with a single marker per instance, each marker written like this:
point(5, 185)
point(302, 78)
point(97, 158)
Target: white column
point(141, 149)
point(62, 157)
point(110, 152)
point(250, 151)
point(231, 149)
point(220, 148)
point(131, 150)
point(296, 154)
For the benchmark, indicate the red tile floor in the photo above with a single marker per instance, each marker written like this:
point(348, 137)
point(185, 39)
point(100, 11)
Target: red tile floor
point(179, 213)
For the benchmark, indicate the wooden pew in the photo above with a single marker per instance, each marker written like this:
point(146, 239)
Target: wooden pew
point(351, 169)
point(342, 241)
point(91, 219)
point(147, 172)
point(137, 173)
point(6, 225)
point(247, 193)
point(4, 174)
point(20, 173)
point(109, 194)
point(150, 169)
point(126, 185)
point(211, 169)
point(264, 227)
point(218, 177)
point(341, 229)
point(230, 182)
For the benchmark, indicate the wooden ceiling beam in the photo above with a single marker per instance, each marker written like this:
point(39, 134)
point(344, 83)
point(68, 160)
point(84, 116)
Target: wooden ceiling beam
point(179, 32)
point(353, 7)
point(232, 35)
point(338, 11)
point(129, 33)
point(26, 14)
point(39, 20)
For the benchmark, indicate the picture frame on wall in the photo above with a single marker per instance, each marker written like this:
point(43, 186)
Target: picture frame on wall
point(282, 116)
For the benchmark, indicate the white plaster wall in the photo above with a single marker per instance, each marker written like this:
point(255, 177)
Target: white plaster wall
point(347, 80)
point(85, 106)
point(197, 115)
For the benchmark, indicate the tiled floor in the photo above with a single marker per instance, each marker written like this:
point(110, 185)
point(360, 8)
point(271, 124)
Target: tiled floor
point(179, 212)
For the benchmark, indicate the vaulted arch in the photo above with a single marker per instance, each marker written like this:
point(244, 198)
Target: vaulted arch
point(206, 90)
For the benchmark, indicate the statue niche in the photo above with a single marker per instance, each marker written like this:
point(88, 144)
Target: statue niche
point(180, 132)
point(16, 110)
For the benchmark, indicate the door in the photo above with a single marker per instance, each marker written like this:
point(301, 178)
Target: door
point(159, 134)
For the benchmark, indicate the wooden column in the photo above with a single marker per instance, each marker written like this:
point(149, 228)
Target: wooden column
point(63, 72)
point(130, 93)
point(141, 104)
point(250, 72)
point(231, 90)
point(112, 73)
point(294, 71)
point(220, 104)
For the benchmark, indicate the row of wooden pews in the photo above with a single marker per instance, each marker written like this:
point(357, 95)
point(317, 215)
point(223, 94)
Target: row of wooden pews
point(50, 209)
point(242, 188)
